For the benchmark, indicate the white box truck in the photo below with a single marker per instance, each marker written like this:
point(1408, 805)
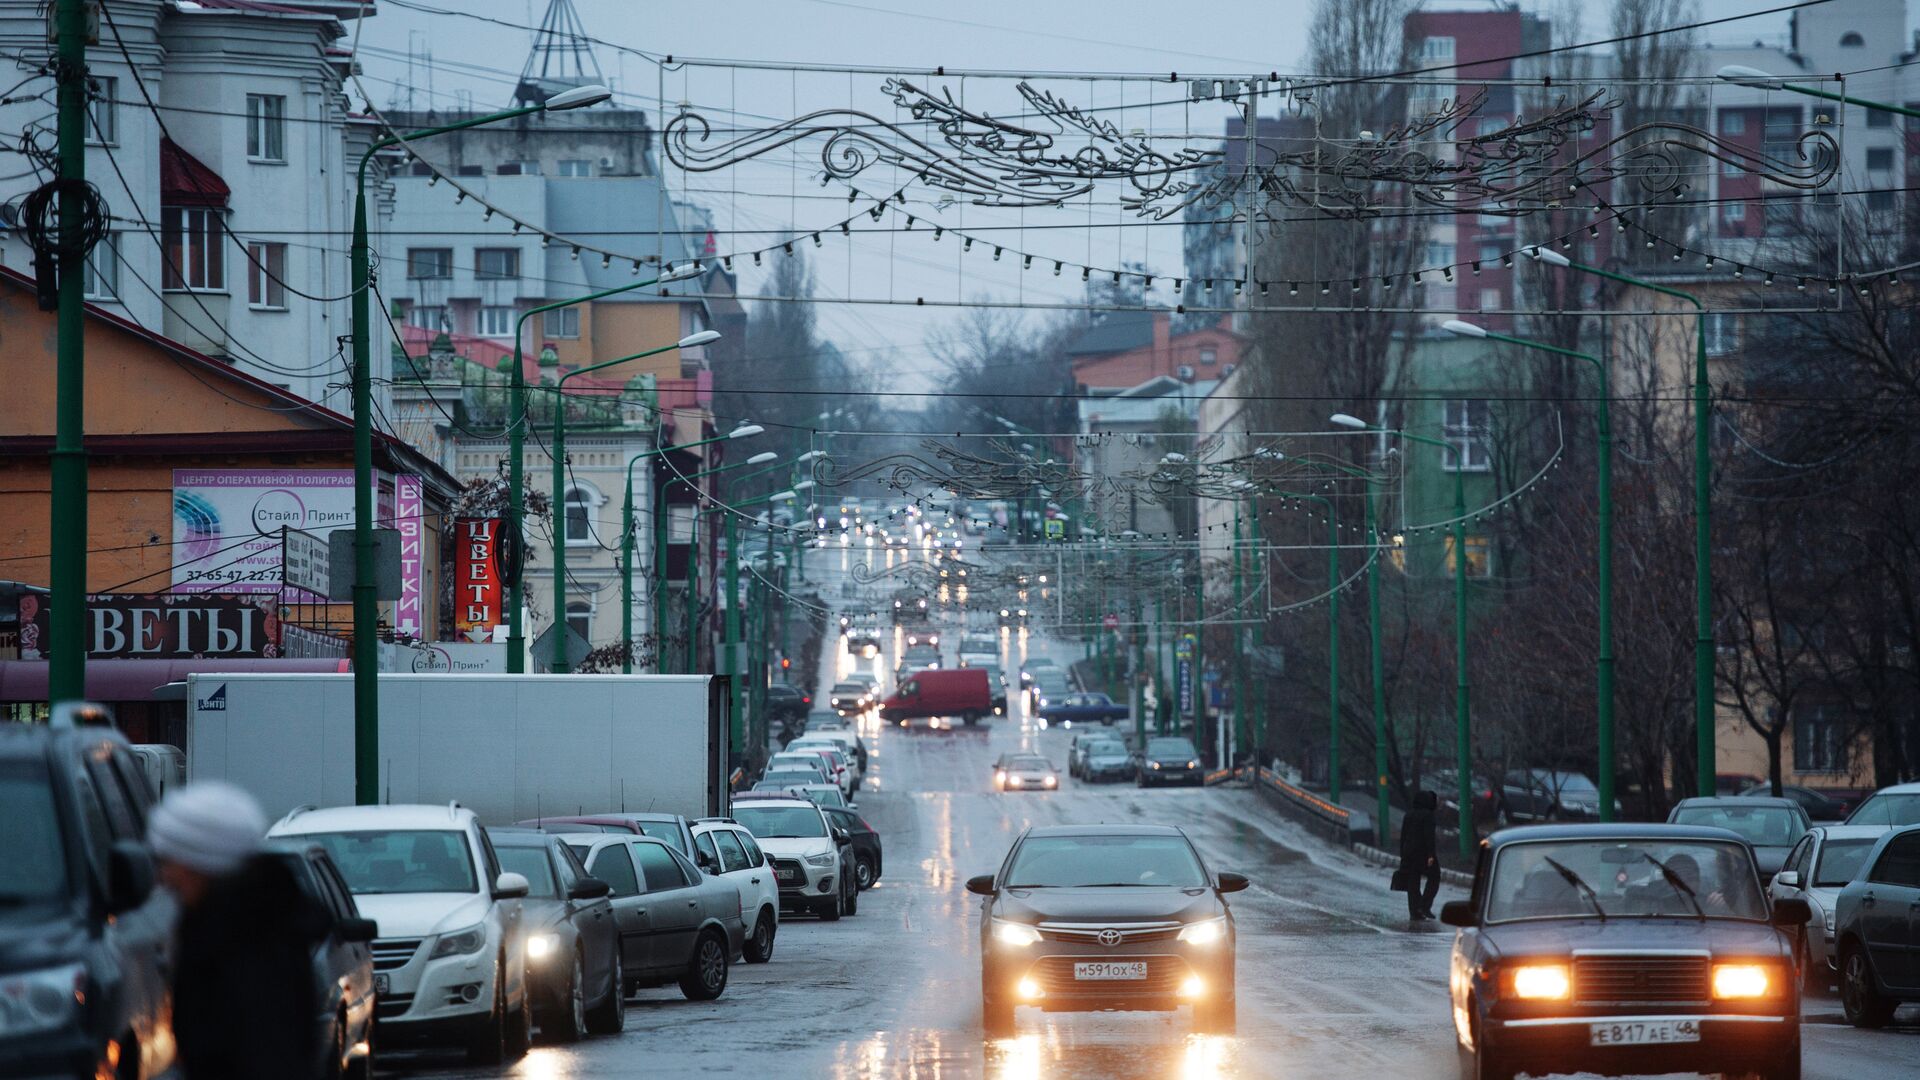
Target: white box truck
point(509, 747)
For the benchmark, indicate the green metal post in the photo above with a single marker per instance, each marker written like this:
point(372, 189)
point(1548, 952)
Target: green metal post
point(1240, 654)
point(1463, 723)
point(736, 732)
point(1383, 827)
point(67, 563)
point(693, 591)
point(626, 571)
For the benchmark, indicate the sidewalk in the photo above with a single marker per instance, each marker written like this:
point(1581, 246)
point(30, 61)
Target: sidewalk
point(1459, 871)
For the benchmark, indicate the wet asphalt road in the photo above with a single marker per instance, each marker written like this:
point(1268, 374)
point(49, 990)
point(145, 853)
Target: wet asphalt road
point(1332, 984)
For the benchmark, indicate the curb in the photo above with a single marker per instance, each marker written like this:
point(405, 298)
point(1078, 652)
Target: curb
point(1382, 858)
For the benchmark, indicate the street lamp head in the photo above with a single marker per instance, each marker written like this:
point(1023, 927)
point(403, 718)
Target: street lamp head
point(1344, 420)
point(810, 455)
point(1173, 458)
point(745, 431)
point(577, 98)
point(763, 457)
point(1455, 326)
point(678, 273)
point(1549, 256)
point(804, 485)
point(1750, 76)
point(782, 496)
point(695, 340)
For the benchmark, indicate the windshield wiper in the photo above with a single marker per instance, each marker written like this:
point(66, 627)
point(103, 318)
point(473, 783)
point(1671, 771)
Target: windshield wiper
point(1679, 883)
point(1580, 883)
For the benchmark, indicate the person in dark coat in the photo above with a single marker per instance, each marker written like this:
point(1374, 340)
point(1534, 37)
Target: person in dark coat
point(245, 1002)
point(1419, 855)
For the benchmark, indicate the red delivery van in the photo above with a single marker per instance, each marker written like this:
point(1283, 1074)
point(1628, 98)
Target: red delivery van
point(961, 692)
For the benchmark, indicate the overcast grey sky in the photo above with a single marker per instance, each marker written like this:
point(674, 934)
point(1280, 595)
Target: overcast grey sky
point(472, 60)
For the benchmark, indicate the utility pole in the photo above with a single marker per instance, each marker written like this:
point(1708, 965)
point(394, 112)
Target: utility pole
point(67, 565)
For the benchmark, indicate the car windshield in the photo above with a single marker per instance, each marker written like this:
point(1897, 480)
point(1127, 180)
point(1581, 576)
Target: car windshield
point(661, 830)
point(1039, 763)
point(1107, 749)
point(1761, 826)
point(1170, 748)
point(1888, 808)
point(1634, 878)
point(780, 822)
point(794, 777)
point(1567, 782)
point(531, 863)
point(33, 862)
point(825, 796)
point(1840, 861)
point(1060, 862)
point(849, 688)
point(383, 861)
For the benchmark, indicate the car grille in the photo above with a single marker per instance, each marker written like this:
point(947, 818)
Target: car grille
point(390, 1006)
point(1055, 976)
point(789, 874)
point(1618, 980)
point(391, 953)
point(1089, 933)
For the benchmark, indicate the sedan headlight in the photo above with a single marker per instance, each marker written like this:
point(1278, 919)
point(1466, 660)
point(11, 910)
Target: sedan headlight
point(540, 946)
point(1018, 935)
point(1204, 933)
point(1741, 981)
point(33, 1002)
point(825, 858)
point(1153, 765)
point(460, 942)
point(1541, 982)
point(1193, 764)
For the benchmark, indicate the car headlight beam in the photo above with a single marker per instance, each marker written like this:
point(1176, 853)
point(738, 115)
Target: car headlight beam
point(1541, 982)
point(1018, 935)
point(1741, 981)
point(1205, 932)
point(540, 946)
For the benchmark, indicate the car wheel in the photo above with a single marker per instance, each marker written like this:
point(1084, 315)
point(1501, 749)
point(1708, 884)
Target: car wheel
point(1859, 996)
point(852, 894)
point(759, 947)
point(488, 1043)
point(996, 1018)
point(610, 1016)
point(570, 1021)
point(1216, 1017)
point(970, 719)
point(830, 910)
point(863, 871)
point(520, 1026)
point(706, 977)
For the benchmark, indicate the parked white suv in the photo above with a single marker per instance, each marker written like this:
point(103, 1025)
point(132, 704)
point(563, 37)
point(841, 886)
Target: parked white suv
point(812, 859)
point(855, 773)
point(449, 959)
point(729, 852)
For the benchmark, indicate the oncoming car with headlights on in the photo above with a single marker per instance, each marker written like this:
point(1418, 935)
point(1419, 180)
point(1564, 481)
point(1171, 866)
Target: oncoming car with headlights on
point(1106, 917)
point(1623, 949)
point(1025, 772)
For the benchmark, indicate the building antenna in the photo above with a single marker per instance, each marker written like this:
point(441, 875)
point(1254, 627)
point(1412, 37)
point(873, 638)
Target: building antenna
point(561, 58)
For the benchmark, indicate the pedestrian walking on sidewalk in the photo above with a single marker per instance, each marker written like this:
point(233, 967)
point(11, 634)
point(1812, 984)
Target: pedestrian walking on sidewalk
point(1419, 871)
point(245, 1004)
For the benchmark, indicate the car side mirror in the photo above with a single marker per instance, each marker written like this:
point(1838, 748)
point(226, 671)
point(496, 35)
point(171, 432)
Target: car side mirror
point(588, 888)
point(981, 885)
point(841, 836)
point(509, 886)
point(1787, 879)
point(356, 930)
point(130, 876)
point(1791, 911)
point(1232, 882)
point(704, 861)
point(1458, 913)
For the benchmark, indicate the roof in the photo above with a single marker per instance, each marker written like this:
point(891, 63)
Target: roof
point(186, 181)
point(1736, 802)
point(495, 354)
point(1613, 831)
point(509, 836)
point(1851, 832)
point(275, 11)
point(1118, 331)
point(422, 816)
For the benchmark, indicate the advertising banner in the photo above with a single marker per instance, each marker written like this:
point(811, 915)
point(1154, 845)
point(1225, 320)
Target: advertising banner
point(443, 657)
point(409, 507)
point(476, 580)
point(1186, 686)
point(227, 524)
point(182, 626)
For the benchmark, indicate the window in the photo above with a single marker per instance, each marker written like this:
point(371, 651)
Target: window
point(1819, 734)
point(1466, 428)
point(580, 619)
point(561, 323)
point(1209, 357)
point(615, 867)
point(428, 317)
point(1479, 557)
point(1438, 254)
point(1880, 204)
point(1899, 862)
point(703, 843)
point(662, 873)
point(518, 168)
point(1733, 212)
point(732, 855)
point(103, 111)
point(1722, 334)
point(496, 263)
point(101, 276)
point(1852, 40)
point(266, 274)
point(1436, 50)
point(580, 503)
point(266, 127)
point(495, 321)
point(1731, 169)
point(1879, 118)
point(575, 167)
point(1880, 159)
point(195, 249)
point(1733, 122)
point(429, 262)
point(1780, 216)
point(1489, 299)
point(754, 855)
point(1490, 253)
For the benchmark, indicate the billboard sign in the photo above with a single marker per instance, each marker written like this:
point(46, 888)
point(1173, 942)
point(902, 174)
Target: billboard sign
point(227, 525)
point(180, 626)
point(476, 578)
point(409, 511)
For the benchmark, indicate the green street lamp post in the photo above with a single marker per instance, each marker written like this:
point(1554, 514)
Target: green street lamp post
point(1703, 656)
point(1604, 429)
point(366, 608)
point(1463, 722)
point(1754, 77)
point(560, 664)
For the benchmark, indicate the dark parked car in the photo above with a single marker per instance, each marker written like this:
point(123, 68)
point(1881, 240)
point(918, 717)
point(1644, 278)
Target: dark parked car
point(787, 703)
point(81, 907)
point(573, 955)
point(866, 844)
point(1771, 825)
point(672, 828)
point(1486, 796)
point(675, 924)
point(1083, 708)
point(1877, 916)
point(1168, 759)
point(1623, 949)
point(1819, 805)
point(342, 961)
point(1127, 917)
point(1528, 795)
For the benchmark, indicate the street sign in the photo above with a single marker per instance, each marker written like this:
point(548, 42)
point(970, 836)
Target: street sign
point(1112, 621)
point(1186, 686)
point(1184, 646)
point(305, 561)
point(1056, 529)
point(386, 564)
point(543, 646)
